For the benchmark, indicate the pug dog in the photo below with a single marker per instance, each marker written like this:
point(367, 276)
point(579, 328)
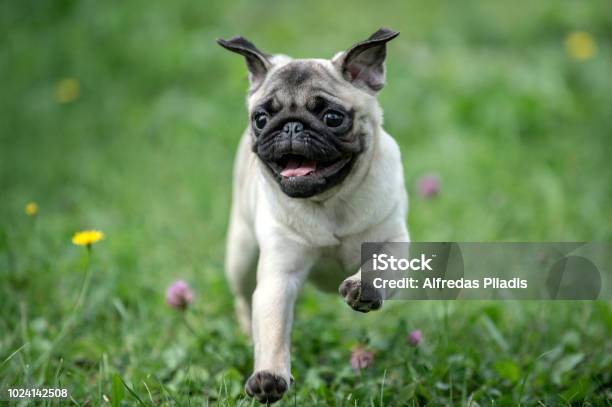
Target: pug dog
point(315, 176)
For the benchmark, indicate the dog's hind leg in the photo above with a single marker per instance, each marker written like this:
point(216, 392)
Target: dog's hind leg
point(240, 267)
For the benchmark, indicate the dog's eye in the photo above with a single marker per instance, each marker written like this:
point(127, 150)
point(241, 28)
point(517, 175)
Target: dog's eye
point(260, 119)
point(333, 118)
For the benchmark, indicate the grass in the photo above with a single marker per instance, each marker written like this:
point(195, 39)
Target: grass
point(482, 94)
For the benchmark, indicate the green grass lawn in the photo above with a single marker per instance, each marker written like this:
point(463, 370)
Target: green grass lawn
point(125, 118)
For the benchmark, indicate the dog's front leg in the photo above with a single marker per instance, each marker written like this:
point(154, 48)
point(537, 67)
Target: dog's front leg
point(359, 296)
point(280, 275)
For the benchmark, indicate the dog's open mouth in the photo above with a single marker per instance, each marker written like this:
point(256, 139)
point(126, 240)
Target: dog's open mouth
point(292, 165)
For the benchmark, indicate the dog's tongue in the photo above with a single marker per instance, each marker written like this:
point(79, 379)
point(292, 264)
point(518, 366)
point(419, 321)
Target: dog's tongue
point(298, 167)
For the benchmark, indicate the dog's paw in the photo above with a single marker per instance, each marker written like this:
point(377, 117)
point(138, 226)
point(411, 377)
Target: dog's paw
point(266, 387)
point(360, 298)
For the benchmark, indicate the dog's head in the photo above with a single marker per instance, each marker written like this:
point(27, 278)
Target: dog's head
point(311, 118)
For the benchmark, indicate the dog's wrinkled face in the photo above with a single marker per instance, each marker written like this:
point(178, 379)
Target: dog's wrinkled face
point(303, 132)
point(301, 119)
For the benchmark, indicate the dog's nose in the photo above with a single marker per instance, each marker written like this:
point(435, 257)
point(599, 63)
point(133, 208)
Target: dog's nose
point(293, 128)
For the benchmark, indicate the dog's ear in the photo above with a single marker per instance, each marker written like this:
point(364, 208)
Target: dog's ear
point(364, 63)
point(258, 63)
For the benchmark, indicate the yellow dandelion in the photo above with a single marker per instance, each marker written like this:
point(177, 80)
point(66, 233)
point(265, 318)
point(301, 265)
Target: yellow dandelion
point(580, 45)
point(31, 209)
point(87, 237)
point(67, 90)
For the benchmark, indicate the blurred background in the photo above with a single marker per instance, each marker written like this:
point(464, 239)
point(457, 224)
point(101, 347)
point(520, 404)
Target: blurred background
point(125, 117)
